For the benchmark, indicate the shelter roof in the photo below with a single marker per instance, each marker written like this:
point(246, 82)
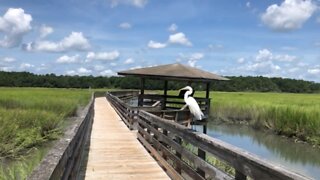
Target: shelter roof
point(173, 72)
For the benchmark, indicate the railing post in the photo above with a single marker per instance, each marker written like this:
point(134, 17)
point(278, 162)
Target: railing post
point(240, 176)
point(178, 167)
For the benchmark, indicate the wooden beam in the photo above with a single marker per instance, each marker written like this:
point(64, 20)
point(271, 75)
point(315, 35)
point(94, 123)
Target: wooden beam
point(207, 90)
point(140, 100)
point(165, 95)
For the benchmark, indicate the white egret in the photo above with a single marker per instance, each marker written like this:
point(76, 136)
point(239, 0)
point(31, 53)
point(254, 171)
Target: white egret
point(192, 103)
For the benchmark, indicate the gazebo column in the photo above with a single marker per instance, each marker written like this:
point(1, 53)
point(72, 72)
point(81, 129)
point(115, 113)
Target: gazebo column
point(208, 97)
point(164, 104)
point(140, 100)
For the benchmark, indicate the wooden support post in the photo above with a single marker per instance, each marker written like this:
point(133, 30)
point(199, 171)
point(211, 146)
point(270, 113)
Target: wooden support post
point(178, 166)
point(208, 97)
point(240, 176)
point(208, 90)
point(140, 100)
point(164, 105)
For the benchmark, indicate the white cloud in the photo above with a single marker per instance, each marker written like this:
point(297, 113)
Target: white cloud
point(103, 56)
point(214, 47)
point(75, 41)
point(65, 59)
point(156, 45)
point(288, 48)
point(179, 38)
point(125, 25)
point(266, 55)
point(241, 60)
point(14, 24)
point(248, 4)
point(129, 61)
point(25, 66)
point(83, 71)
point(6, 68)
point(136, 3)
point(194, 58)
point(98, 68)
point(7, 59)
point(71, 72)
point(45, 31)
point(113, 64)
point(290, 15)
point(314, 71)
point(173, 28)
point(107, 72)
point(136, 67)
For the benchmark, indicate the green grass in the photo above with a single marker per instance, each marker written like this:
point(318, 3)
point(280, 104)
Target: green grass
point(31, 117)
point(293, 115)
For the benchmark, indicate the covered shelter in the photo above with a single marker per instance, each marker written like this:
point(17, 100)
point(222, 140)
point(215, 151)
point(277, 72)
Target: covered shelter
point(173, 72)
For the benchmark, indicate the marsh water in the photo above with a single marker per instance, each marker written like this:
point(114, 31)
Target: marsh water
point(298, 157)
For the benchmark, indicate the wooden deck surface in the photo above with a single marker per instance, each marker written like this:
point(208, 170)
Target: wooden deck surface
point(115, 153)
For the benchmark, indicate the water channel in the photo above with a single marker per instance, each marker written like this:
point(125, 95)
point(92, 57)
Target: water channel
point(298, 157)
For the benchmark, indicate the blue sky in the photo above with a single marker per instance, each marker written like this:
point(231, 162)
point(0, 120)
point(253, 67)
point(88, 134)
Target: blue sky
point(275, 38)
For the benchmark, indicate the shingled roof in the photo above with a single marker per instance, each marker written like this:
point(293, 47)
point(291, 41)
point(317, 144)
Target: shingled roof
point(173, 72)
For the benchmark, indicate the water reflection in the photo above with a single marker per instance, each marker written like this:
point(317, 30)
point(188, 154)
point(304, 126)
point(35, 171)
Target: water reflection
point(299, 157)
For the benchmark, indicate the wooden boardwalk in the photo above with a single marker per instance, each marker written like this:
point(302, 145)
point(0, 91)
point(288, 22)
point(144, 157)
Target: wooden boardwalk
point(115, 152)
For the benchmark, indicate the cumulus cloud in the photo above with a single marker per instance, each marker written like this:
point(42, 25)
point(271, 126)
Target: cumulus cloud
point(314, 71)
point(129, 61)
point(156, 45)
point(98, 67)
point(45, 31)
point(136, 3)
point(74, 42)
point(266, 55)
point(65, 59)
point(107, 72)
point(125, 25)
point(173, 28)
point(214, 47)
point(83, 70)
point(7, 59)
point(248, 4)
point(290, 15)
point(14, 24)
point(241, 60)
point(103, 56)
point(194, 58)
point(190, 59)
point(25, 66)
point(179, 38)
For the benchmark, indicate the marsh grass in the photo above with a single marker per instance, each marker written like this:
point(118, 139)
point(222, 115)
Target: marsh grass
point(31, 117)
point(293, 115)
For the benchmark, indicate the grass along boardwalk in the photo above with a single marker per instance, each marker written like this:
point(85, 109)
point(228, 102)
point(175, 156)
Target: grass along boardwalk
point(115, 153)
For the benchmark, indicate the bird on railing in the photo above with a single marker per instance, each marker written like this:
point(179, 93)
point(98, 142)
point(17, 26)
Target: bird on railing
point(192, 103)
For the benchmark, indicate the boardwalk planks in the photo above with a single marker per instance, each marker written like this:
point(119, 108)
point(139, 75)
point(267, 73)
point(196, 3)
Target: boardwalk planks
point(115, 153)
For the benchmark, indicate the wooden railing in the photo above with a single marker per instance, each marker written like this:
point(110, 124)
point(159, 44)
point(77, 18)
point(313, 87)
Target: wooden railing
point(174, 102)
point(64, 159)
point(127, 113)
point(184, 153)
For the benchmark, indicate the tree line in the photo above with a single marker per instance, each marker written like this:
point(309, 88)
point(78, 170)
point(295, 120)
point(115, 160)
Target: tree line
point(236, 83)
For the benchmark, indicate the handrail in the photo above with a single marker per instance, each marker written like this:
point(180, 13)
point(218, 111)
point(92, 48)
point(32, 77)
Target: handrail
point(64, 159)
point(163, 134)
point(182, 152)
